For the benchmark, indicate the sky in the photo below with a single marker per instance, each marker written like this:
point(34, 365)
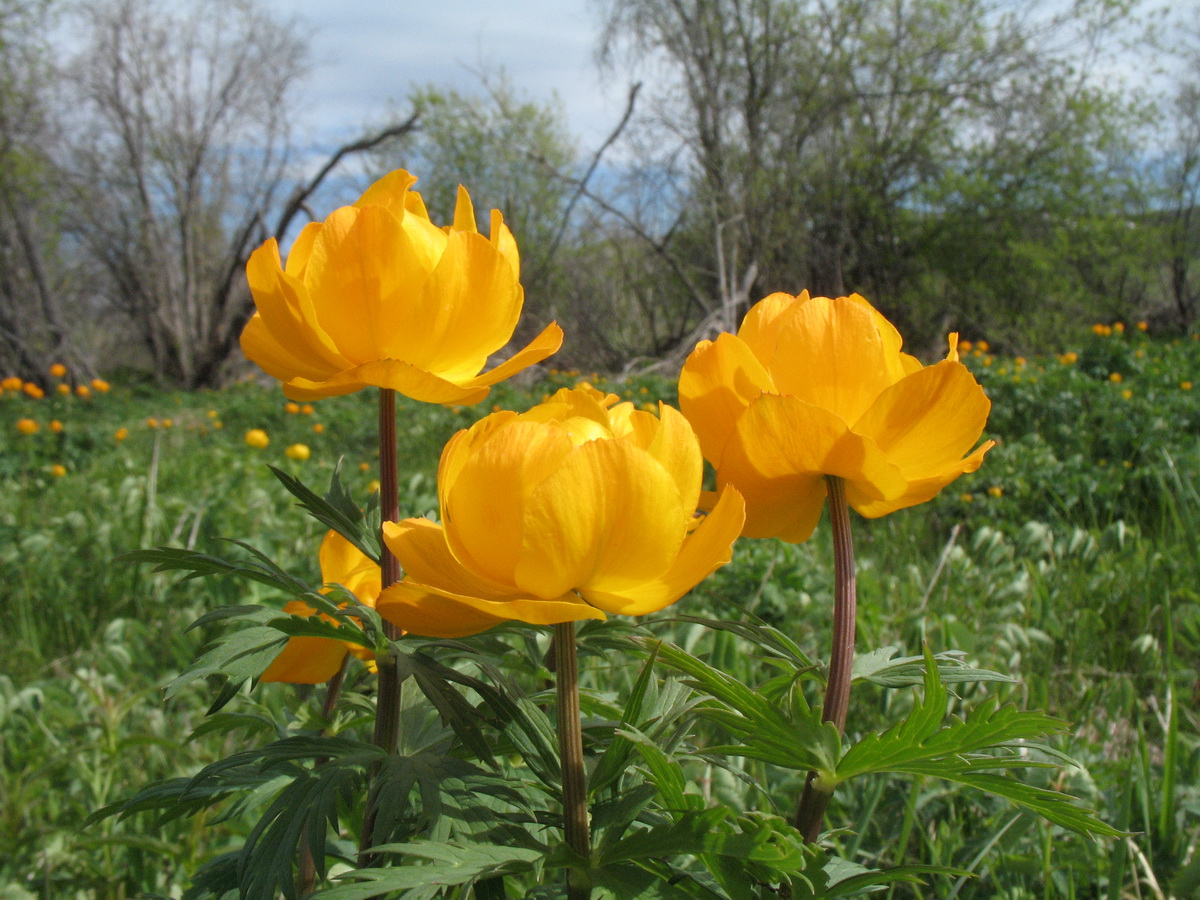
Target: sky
point(367, 52)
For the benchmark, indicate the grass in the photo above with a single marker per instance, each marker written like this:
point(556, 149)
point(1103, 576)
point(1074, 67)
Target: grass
point(1069, 561)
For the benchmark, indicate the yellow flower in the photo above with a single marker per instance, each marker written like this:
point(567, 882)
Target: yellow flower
point(995, 491)
point(965, 347)
point(1143, 326)
point(58, 470)
point(1119, 327)
point(967, 498)
point(570, 510)
point(1069, 358)
point(1127, 394)
point(83, 390)
point(1116, 378)
point(257, 438)
point(1101, 329)
point(63, 388)
point(306, 409)
point(101, 386)
point(311, 660)
point(167, 423)
point(56, 426)
point(11, 383)
point(58, 370)
point(121, 433)
point(292, 408)
point(373, 486)
point(213, 414)
point(27, 426)
point(318, 428)
point(982, 346)
point(152, 422)
point(33, 390)
point(811, 387)
point(298, 452)
point(378, 295)
point(1185, 385)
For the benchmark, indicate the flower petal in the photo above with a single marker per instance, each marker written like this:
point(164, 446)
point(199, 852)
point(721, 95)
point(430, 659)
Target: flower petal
point(485, 481)
point(535, 351)
point(306, 660)
point(402, 377)
point(420, 609)
point(343, 563)
point(420, 546)
point(706, 549)
point(779, 455)
point(608, 517)
point(830, 353)
point(719, 381)
point(669, 439)
point(761, 325)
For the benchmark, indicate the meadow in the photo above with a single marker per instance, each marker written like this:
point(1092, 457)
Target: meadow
point(1068, 561)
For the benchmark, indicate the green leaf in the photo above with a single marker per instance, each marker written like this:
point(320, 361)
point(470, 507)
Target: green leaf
point(336, 510)
point(795, 738)
point(969, 751)
point(617, 755)
point(880, 667)
point(199, 565)
point(847, 879)
point(446, 864)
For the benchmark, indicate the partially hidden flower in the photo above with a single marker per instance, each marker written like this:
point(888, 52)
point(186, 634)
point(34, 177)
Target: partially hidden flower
point(257, 438)
point(298, 452)
point(813, 387)
point(312, 660)
point(571, 510)
point(379, 295)
point(101, 386)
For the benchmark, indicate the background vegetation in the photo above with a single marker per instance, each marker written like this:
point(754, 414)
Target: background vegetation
point(1068, 560)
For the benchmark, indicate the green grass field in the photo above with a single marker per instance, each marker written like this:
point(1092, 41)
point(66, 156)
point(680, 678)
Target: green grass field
point(1069, 560)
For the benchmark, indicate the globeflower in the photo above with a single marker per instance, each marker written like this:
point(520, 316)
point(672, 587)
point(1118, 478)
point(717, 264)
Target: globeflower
point(298, 452)
point(816, 387)
point(379, 295)
point(27, 426)
point(257, 438)
point(568, 511)
point(58, 370)
point(312, 660)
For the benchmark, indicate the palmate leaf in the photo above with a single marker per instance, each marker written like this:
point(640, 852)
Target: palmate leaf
point(198, 565)
point(336, 510)
point(445, 864)
point(970, 751)
point(882, 668)
point(793, 738)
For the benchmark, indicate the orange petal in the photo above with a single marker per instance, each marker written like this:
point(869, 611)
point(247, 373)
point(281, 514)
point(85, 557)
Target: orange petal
point(706, 549)
point(831, 354)
point(760, 326)
point(306, 660)
point(608, 517)
point(719, 381)
point(919, 490)
point(669, 438)
point(343, 563)
point(535, 351)
point(399, 376)
point(420, 546)
point(391, 192)
point(420, 609)
point(778, 458)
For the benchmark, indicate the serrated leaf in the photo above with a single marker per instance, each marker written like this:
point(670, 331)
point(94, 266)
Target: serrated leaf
point(336, 510)
point(794, 739)
point(880, 667)
point(447, 864)
point(969, 751)
point(199, 565)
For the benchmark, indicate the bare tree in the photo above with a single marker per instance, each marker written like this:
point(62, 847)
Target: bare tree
point(183, 143)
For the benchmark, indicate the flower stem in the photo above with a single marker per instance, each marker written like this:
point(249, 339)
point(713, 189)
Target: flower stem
point(387, 707)
point(817, 792)
point(570, 743)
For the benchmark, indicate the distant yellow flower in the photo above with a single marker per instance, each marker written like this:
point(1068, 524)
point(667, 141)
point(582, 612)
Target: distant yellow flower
point(306, 409)
point(1019, 362)
point(11, 383)
point(570, 510)
point(811, 387)
point(152, 422)
point(56, 426)
point(373, 486)
point(312, 660)
point(1143, 326)
point(1185, 385)
point(1119, 327)
point(995, 491)
point(83, 390)
point(58, 370)
point(167, 423)
point(218, 424)
point(364, 467)
point(63, 388)
point(100, 386)
point(1127, 463)
point(58, 470)
point(213, 414)
point(1116, 378)
point(967, 498)
point(318, 428)
point(1127, 394)
point(121, 433)
point(982, 346)
point(298, 452)
point(964, 347)
point(33, 390)
point(1069, 358)
point(1101, 329)
point(379, 295)
point(257, 438)
point(292, 408)
point(27, 426)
